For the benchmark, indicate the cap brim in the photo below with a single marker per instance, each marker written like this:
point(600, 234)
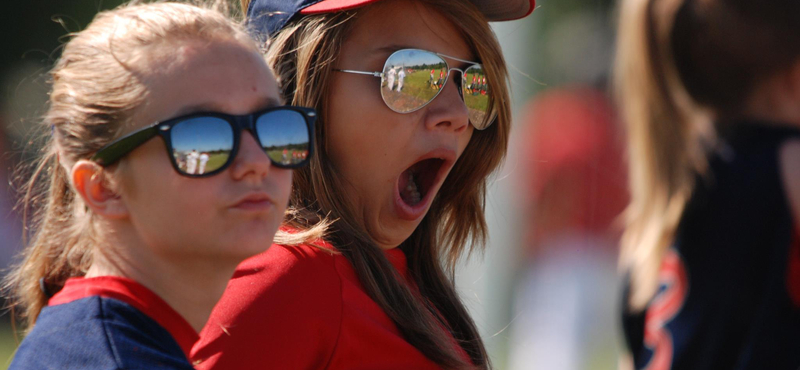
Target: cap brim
point(494, 10)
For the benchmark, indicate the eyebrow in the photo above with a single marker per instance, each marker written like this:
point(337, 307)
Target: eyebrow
point(391, 48)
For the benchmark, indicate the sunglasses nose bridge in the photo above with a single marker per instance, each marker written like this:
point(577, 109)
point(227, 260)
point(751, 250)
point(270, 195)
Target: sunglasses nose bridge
point(242, 123)
point(458, 79)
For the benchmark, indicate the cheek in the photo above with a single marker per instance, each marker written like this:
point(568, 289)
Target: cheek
point(147, 172)
point(362, 133)
point(282, 180)
point(157, 197)
point(464, 139)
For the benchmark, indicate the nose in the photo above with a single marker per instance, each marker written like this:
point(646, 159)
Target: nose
point(447, 111)
point(250, 160)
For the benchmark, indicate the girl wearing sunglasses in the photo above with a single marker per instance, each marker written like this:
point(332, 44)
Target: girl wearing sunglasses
point(710, 92)
point(361, 273)
point(166, 168)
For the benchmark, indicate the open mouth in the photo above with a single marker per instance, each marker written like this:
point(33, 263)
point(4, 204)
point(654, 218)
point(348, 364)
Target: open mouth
point(418, 180)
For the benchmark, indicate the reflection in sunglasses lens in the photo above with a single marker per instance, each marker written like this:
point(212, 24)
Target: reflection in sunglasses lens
point(284, 136)
point(201, 145)
point(475, 90)
point(412, 78)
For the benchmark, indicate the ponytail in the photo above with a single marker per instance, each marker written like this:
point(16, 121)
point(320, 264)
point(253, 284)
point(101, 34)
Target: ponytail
point(59, 249)
point(664, 139)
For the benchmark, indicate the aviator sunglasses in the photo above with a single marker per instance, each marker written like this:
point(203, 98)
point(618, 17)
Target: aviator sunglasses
point(412, 78)
point(203, 144)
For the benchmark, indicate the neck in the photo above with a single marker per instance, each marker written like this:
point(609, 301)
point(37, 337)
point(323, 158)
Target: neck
point(191, 286)
point(774, 101)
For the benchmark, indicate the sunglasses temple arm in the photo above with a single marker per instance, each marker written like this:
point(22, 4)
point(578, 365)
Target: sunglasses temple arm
point(373, 74)
point(116, 150)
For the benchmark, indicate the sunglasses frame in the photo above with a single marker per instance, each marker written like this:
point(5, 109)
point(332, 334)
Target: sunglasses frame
point(444, 58)
point(117, 149)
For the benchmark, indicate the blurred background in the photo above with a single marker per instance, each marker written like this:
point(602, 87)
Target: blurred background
point(545, 293)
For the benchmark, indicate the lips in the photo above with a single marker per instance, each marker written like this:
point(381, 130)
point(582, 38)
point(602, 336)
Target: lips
point(257, 201)
point(418, 184)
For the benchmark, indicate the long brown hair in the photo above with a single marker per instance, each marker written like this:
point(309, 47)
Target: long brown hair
point(682, 64)
point(94, 94)
point(302, 55)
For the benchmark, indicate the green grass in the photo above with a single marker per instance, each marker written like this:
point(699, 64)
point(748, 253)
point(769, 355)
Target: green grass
point(216, 160)
point(417, 90)
point(418, 84)
point(8, 344)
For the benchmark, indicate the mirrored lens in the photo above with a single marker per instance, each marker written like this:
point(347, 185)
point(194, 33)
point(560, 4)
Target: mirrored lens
point(476, 96)
point(201, 145)
point(284, 136)
point(411, 79)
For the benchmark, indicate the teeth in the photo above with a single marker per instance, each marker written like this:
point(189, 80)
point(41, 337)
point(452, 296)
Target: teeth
point(412, 190)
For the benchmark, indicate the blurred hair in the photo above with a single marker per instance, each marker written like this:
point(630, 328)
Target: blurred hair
point(302, 55)
point(95, 92)
point(680, 65)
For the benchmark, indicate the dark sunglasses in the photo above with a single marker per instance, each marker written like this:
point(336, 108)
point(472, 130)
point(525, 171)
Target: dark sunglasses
point(203, 144)
point(412, 78)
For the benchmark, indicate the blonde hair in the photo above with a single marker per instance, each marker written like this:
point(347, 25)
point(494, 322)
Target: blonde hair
point(94, 95)
point(681, 64)
point(302, 55)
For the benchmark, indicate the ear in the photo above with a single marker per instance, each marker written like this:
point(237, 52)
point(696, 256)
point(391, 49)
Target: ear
point(90, 182)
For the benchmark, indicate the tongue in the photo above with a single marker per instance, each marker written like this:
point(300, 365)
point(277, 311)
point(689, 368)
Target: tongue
point(410, 193)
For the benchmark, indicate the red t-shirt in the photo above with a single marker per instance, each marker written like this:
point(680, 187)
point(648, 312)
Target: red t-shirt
point(303, 308)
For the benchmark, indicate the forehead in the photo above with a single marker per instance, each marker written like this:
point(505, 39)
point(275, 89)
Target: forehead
point(221, 76)
point(407, 23)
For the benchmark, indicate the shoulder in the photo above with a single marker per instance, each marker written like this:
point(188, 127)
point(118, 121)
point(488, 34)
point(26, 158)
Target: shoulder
point(307, 272)
point(67, 336)
point(138, 341)
point(288, 300)
point(97, 333)
point(790, 175)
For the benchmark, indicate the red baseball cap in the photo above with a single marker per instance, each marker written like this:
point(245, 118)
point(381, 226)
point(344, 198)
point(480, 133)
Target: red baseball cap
point(494, 10)
point(270, 16)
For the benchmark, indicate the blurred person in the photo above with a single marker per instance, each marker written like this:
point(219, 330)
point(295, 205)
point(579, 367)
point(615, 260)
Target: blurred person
point(401, 76)
point(573, 188)
point(202, 161)
point(191, 162)
point(473, 85)
point(709, 92)
point(361, 276)
point(124, 264)
point(391, 75)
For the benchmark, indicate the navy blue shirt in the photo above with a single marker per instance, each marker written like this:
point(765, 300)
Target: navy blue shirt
point(729, 294)
point(107, 323)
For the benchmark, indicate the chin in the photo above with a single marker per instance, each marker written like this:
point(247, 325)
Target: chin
point(396, 235)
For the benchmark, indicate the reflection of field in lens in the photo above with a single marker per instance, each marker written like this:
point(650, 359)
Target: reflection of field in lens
point(216, 160)
point(477, 102)
point(477, 117)
point(192, 164)
point(416, 91)
point(288, 155)
point(477, 105)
